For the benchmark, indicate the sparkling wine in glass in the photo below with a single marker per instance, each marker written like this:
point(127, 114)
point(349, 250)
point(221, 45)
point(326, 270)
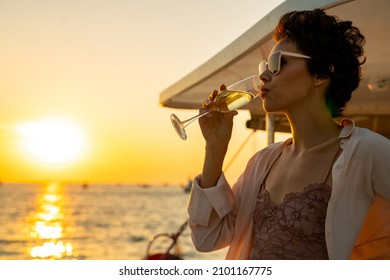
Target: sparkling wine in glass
point(234, 97)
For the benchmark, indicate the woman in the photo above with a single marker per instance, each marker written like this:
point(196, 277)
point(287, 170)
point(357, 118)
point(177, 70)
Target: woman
point(315, 195)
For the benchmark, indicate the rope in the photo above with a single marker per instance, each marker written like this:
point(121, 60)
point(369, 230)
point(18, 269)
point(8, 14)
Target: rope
point(238, 151)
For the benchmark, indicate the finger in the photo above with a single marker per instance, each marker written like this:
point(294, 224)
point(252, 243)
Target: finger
point(230, 114)
point(206, 104)
point(213, 95)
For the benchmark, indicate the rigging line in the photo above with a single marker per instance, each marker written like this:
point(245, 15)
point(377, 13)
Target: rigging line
point(239, 150)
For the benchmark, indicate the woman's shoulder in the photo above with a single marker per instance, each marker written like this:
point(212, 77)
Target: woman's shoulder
point(368, 143)
point(361, 135)
point(369, 137)
point(260, 160)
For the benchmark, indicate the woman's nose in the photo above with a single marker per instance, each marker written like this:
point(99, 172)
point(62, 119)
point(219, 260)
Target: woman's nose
point(265, 76)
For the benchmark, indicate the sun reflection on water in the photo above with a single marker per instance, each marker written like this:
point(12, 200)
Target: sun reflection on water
point(48, 226)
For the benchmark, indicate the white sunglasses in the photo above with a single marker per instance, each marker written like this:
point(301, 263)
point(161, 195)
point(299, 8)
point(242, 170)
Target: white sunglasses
point(273, 64)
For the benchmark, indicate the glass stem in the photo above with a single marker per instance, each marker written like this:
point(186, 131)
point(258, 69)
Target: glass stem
point(187, 122)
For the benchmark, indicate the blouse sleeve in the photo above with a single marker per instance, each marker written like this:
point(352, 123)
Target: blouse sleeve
point(380, 176)
point(213, 211)
point(212, 214)
point(373, 241)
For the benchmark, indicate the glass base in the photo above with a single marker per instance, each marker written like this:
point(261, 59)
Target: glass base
point(178, 127)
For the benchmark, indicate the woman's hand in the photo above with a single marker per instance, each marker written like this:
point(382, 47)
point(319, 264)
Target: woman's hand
point(217, 130)
point(216, 127)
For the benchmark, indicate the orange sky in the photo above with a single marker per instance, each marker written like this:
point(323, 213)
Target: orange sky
point(102, 65)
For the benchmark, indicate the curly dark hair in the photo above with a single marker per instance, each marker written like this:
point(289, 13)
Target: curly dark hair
point(336, 49)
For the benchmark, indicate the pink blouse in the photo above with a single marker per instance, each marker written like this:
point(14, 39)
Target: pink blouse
point(223, 215)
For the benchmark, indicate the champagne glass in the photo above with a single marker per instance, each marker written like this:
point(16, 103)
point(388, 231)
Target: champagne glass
point(234, 97)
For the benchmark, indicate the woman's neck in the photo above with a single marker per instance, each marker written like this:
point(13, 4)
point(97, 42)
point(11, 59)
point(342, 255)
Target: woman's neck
point(310, 129)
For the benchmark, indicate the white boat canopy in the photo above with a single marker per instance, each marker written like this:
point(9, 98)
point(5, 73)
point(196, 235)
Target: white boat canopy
point(370, 104)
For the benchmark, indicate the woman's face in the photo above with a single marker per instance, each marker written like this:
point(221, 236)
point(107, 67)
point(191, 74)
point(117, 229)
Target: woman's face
point(292, 86)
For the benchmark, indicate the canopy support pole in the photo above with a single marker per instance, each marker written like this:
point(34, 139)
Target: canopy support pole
point(270, 128)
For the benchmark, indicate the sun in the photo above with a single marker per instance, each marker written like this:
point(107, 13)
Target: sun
point(52, 141)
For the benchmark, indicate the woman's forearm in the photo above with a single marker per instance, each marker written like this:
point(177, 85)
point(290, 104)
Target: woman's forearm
point(213, 163)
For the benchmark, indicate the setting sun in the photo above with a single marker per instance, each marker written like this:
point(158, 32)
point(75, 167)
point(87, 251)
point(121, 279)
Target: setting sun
point(52, 140)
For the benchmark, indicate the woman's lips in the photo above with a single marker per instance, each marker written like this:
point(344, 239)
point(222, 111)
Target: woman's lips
point(264, 91)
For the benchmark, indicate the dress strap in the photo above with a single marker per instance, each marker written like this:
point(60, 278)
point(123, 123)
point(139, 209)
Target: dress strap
point(269, 167)
point(338, 152)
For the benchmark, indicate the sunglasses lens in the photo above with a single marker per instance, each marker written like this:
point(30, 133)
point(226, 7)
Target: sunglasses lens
point(262, 67)
point(274, 63)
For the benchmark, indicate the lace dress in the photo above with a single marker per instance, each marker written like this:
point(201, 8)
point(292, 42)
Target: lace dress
point(294, 229)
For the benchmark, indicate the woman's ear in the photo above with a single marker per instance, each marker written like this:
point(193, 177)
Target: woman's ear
point(319, 81)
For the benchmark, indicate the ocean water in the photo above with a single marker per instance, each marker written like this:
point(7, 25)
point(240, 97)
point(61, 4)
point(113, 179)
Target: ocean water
point(94, 222)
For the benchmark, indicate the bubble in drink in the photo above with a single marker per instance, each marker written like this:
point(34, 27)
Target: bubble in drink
point(230, 100)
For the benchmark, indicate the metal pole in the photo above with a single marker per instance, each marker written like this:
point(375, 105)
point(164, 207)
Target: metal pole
point(270, 128)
